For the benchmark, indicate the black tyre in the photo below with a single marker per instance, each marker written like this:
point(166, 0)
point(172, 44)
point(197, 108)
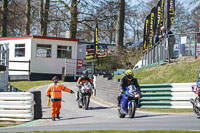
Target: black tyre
point(37, 104)
point(37, 112)
point(120, 114)
point(86, 103)
point(37, 97)
point(132, 109)
point(79, 104)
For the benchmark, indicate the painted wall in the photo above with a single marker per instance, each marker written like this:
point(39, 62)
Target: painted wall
point(51, 65)
point(27, 57)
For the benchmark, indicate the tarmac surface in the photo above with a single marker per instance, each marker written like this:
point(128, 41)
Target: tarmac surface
point(102, 115)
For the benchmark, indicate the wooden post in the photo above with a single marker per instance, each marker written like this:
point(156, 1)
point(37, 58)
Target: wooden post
point(63, 73)
point(29, 70)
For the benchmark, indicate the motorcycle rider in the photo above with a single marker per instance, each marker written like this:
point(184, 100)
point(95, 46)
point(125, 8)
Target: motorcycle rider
point(54, 92)
point(81, 80)
point(125, 81)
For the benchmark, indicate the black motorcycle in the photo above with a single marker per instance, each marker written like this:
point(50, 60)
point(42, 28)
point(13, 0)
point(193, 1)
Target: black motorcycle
point(85, 94)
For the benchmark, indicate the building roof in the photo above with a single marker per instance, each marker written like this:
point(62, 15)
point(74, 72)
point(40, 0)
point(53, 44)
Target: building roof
point(39, 37)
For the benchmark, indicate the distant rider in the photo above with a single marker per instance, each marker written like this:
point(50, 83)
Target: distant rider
point(81, 80)
point(127, 80)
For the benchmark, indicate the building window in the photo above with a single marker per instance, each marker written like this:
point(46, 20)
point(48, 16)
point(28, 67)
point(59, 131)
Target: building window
point(64, 52)
point(19, 50)
point(43, 51)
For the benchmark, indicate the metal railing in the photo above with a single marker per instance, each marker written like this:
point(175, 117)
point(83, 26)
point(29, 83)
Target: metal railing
point(172, 46)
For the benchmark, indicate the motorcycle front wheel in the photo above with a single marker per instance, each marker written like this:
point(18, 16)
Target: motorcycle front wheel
point(132, 109)
point(86, 102)
point(196, 110)
point(79, 104)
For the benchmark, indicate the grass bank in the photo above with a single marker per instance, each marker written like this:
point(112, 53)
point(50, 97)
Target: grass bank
point(26, 85)
point(179, 72)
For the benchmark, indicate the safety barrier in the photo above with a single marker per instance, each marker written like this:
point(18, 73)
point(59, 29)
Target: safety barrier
point(156, 95)
point(181, 94)
point(16, 106)
point(176, 95)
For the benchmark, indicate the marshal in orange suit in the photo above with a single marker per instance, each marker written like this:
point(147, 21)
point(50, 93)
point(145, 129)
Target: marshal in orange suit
point(54, 91)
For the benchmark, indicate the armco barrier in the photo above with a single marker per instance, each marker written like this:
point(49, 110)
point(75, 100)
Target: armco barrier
point(176, 95)
point(156, 96)
point(16, 106)
point(181, 94)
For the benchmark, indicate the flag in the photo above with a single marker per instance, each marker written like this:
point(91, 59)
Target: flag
point(145, 42)
point(170, 13)
point(155, 20)
point(151, 27)
point(162, 3)
point(158, 18)
point(96, 40)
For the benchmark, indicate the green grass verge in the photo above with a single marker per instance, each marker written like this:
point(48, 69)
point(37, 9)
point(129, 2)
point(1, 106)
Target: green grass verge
point(2, 125)
point(167, 110)
point(180, 72)
point(6, 125)
point(26, 85)
point(117, 131)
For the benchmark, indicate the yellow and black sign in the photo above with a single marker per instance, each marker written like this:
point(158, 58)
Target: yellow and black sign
point(151, 27)
point(158, 18)
point(96, 41)
point(145, 41)
point(170, 13)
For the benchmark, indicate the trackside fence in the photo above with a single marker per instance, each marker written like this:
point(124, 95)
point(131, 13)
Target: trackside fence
point(16, 106)
point(176, 95)
point(156, 96)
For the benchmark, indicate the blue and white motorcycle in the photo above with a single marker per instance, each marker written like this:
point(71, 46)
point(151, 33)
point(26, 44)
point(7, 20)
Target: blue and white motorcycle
point(129, 102)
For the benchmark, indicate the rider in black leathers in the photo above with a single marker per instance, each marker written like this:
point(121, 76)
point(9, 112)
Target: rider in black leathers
point(127, 80)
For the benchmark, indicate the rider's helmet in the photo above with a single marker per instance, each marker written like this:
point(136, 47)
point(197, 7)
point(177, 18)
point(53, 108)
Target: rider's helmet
point(85, 73)
point(129, 74)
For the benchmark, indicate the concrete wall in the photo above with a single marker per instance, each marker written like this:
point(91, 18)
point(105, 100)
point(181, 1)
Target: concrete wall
point(107, 89)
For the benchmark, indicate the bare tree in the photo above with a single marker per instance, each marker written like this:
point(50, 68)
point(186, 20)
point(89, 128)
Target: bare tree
point(4, 18)
point(195, 17)
point(74, 14)
point(120, 25)
point(28, 15)
point(46, 17)
point(41, 18)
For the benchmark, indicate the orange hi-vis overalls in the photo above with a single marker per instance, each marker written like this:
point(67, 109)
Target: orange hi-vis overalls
point(55, 92)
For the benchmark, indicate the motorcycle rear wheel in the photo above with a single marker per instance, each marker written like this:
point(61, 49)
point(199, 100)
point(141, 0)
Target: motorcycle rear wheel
point(120, 114)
